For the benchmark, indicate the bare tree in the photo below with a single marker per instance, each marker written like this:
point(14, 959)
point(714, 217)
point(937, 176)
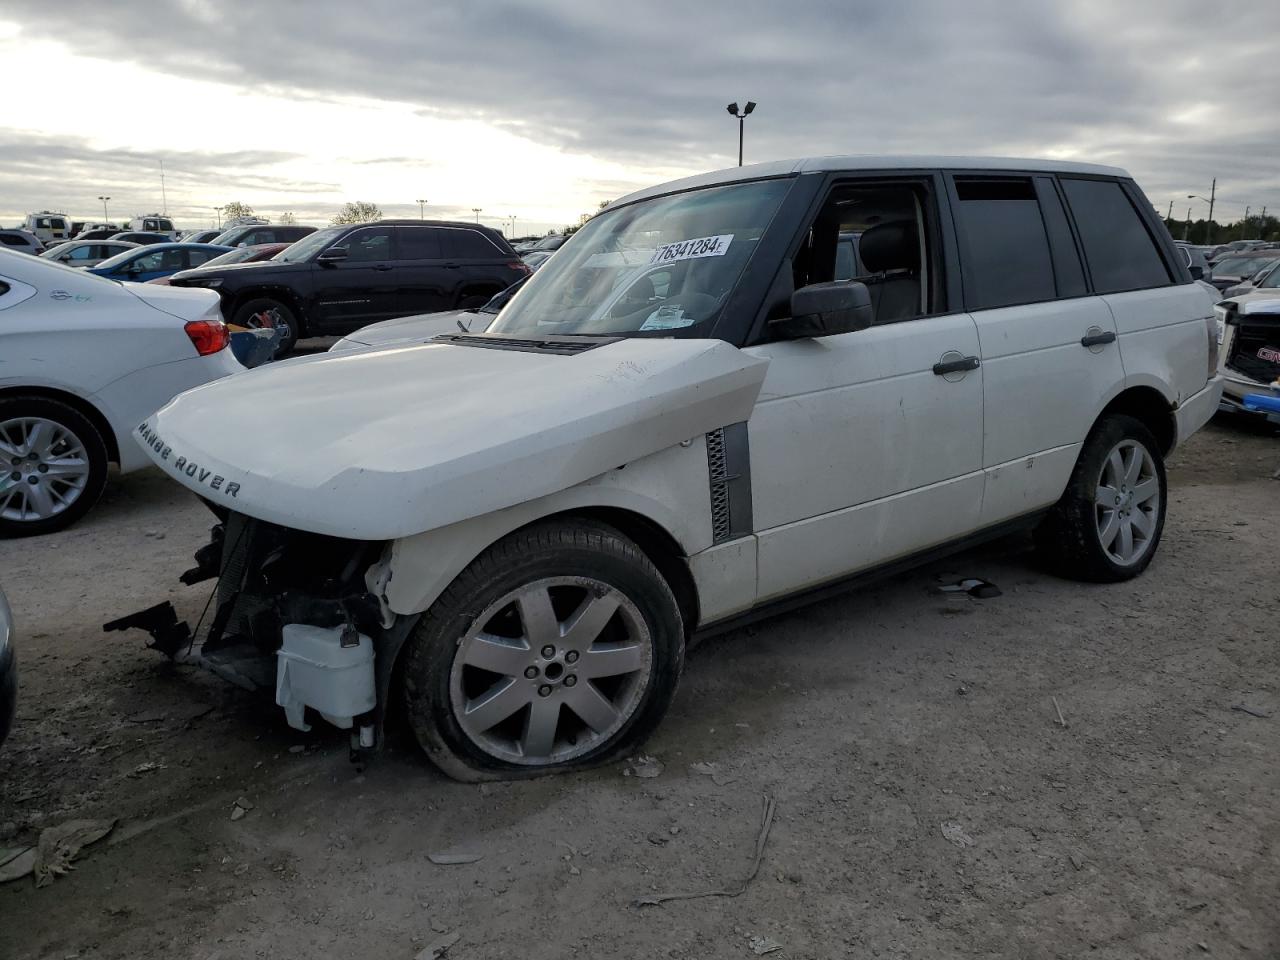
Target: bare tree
point(235, 210)
point(360, 211)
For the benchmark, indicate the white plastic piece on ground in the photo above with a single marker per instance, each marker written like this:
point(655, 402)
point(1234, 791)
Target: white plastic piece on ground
point(314, 669)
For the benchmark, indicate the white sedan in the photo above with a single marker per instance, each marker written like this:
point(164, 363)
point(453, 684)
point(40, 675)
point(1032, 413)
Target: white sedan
point(84, 360)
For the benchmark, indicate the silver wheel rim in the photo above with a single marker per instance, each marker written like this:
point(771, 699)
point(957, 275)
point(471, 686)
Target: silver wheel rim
point(1127, 503)
point(43, 469)
point(550, 671)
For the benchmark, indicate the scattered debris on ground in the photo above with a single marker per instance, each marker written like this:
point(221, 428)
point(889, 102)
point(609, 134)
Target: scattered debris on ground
point(54, 851)
point(643, 767)
point(955, 833)
point(767, 809)
point(978, 589)
point(438, 948)
point(454, 859)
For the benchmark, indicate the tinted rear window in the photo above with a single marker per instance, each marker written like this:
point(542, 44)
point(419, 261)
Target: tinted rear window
point(1121, 253)
point(419, 243)
point(468, 245)
point(11, 240)
point(1004, 243)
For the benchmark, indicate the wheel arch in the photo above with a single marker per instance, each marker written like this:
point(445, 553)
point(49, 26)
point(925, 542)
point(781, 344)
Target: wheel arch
point(1151, 408)
point(77, 403)
point(285, 295)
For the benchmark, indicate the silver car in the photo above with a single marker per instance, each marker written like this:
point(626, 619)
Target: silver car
point(86, 253)
point(8, 669)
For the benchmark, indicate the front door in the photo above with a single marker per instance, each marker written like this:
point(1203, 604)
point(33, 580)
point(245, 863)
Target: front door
point(866, 447)
point(361, 289)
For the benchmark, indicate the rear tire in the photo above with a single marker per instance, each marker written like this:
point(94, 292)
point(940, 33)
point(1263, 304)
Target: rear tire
point(254, 314)
point(53, 466)
point(1107, 526)
point(558, 648)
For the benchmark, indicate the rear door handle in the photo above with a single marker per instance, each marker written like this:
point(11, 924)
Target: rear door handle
point(956, 366)
point(382, 267)
point(1098, 339)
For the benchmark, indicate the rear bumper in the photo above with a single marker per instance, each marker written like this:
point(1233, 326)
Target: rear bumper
point(1195, 411)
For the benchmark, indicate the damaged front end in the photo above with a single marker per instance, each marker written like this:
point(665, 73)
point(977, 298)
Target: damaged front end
point(291, 612)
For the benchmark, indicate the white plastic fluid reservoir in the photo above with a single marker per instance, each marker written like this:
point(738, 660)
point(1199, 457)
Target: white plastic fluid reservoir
point(314, 669)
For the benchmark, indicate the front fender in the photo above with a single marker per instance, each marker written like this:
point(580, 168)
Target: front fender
point(669, 488)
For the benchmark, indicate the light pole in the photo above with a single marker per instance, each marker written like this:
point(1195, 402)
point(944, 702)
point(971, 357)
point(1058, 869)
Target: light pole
point(1186, 228)
point(476, 211)
point(218, 212)
point(513, 224)
point(105, 218)
point(733, 112)
point(1213, 193)
point(422, 206)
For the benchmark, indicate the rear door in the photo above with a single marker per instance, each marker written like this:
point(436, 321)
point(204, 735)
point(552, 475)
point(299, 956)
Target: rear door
point(480, 267)
point(360, 289)
point(1049, 357)
point(425, 279)
point(1160, 314)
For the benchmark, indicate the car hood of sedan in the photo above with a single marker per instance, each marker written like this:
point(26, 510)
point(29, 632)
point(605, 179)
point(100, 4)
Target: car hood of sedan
point(380, 444)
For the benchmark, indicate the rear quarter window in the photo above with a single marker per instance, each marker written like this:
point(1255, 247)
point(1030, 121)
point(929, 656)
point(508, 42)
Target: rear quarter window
point(1119, 249)
point(469, 245)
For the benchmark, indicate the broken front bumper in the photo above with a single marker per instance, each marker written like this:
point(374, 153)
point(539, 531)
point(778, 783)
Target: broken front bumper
point(291, 613)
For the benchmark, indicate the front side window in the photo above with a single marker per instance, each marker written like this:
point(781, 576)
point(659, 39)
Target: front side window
point(368, 245)
point(1121, 253)
point(664, 266)
point(1004, 244)
point(86, 252)
point(197, 257)
point(1271, 279)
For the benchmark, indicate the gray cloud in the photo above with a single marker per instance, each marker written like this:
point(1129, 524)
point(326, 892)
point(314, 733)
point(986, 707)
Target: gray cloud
point(1176, 94)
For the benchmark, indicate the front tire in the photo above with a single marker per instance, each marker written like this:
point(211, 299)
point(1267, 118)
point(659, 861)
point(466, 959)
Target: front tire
point(265, 312)
point(1108, 524)
point(53, 466)
point(559, 648)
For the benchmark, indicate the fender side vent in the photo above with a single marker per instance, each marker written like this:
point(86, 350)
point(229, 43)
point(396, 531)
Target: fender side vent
point(718, 470)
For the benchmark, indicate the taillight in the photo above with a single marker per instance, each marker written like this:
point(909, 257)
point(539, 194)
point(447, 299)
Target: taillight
point(208, 336)
point(521, 266)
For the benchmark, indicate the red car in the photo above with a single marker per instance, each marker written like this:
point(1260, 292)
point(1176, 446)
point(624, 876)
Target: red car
point(260, 251)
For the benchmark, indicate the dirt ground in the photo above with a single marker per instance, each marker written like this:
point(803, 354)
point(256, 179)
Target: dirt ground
point(1148, 826)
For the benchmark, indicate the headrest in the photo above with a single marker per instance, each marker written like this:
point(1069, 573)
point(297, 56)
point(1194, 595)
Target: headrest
point(894, 245)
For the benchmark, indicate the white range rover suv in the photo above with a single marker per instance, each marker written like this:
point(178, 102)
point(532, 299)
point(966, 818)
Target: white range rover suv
point(693, 415)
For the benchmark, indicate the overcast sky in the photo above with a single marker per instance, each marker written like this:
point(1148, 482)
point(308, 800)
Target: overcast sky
point(542, 109)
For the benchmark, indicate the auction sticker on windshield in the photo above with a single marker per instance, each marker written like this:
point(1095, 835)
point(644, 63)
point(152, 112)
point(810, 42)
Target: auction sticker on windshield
point(692, 249)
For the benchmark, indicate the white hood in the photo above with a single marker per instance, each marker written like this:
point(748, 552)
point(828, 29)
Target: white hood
point(381, 444)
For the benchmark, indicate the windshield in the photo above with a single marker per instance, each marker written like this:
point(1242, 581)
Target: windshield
point(1238, 267)
point(238, 255)
point(657, 266)
point(309, 245)
point(1272, 280)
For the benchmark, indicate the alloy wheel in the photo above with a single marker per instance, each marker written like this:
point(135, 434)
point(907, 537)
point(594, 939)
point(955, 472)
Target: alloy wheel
point(1127, 502)
point(551, 670)
point(44, 469)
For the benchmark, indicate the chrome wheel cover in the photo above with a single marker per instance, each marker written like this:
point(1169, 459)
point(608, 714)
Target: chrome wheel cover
point(1127, 502)
point(44, 469)
point(550, 671)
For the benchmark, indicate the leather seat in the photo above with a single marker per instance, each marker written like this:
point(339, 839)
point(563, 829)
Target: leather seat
point(891, 251)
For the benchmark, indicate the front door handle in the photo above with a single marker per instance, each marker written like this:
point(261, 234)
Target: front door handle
point(1098, 339)
point(382, 267)
point(955, 366)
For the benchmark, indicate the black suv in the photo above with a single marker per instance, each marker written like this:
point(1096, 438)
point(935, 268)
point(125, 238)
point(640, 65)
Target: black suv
point(252, 234)
point(339, 279)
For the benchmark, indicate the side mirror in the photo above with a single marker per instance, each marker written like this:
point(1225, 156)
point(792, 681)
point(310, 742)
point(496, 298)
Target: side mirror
point(1197, 273)
point(823, 309)
point(332, 255)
